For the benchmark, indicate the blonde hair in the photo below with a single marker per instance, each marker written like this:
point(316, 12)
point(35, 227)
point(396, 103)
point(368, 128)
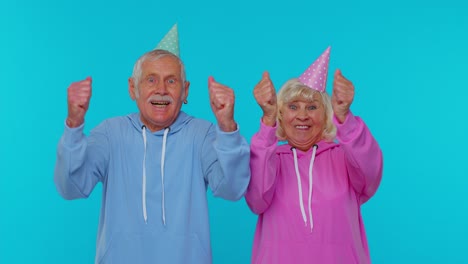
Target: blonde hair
point(294, 89)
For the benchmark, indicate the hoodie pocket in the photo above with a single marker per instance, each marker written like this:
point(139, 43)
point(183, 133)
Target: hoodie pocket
point(164, 247)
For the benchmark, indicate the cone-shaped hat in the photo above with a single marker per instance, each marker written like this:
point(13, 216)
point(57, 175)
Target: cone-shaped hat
point(315, 76)
point(170, 42)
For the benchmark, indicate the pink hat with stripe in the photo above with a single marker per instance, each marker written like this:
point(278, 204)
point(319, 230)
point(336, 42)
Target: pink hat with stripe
point(315, 76)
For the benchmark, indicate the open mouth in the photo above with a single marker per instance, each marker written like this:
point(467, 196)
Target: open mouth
point(302, 127)
point(160, 103)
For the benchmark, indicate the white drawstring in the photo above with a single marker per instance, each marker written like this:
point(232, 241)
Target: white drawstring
point(163, 154)
point(143, 132)
point(299, 186)
point(311, 165)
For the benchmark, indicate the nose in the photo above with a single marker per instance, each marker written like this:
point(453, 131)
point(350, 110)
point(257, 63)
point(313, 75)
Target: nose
point(302, 115)
point(160, 88)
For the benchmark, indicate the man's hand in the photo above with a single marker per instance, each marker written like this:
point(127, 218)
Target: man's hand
point(265, 95)
point(79, 94)
point(342, 97)
point(222, 104)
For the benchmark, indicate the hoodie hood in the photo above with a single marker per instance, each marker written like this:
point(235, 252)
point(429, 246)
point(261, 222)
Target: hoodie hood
point(322, 146)
point(178, 124)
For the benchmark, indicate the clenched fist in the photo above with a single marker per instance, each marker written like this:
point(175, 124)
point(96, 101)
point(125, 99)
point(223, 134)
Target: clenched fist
point(79, 94)
point(265, 95)
point(222, 104)
point(342, 97)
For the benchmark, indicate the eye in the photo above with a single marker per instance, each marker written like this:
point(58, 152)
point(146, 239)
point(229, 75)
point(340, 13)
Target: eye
point(311, 107)
point(171, 81)
point(151, 80)
point(292, 107)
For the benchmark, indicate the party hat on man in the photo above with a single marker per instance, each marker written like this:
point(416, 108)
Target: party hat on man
point(315, 76)
point(170, 42)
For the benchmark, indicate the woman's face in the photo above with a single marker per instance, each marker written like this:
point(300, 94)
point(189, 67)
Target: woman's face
point(303, 121)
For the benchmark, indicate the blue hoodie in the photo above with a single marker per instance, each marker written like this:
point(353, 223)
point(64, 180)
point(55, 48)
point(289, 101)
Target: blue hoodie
point(154, 203)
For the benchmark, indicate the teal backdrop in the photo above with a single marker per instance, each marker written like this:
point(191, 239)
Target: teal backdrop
point(407, 60)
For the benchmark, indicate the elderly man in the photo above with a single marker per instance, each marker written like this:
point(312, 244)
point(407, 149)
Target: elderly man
point(154, 166)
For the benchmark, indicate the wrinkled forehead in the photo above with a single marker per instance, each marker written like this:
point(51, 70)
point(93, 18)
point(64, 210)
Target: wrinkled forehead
point(163, 64)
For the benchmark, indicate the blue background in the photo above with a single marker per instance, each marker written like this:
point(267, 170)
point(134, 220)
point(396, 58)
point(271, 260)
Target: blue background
point(407, 60)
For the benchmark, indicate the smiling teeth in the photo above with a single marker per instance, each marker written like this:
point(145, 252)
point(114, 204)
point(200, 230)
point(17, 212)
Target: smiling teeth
point(302, 127)
point(159, 103)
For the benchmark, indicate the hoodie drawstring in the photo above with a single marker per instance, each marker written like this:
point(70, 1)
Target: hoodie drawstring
point(145, 216)
point(311, 165)
point(299, 186)
point(163, 155)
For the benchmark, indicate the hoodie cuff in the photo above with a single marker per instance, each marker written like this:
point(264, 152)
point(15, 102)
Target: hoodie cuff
point(267, 134)
point(72, 136)
point(349, 129)
point(229, 139)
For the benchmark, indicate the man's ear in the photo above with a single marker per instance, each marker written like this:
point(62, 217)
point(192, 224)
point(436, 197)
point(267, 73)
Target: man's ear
point(131, 88)
point(186, 89)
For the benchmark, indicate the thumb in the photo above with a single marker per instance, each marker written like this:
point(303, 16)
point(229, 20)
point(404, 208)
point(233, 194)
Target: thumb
point(211, 80)
point(337, 72)
point(266, 75)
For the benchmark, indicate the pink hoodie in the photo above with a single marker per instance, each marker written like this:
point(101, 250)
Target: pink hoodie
point(330, 228)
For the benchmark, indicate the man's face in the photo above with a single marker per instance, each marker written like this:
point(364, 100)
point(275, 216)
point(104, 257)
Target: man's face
point(161, 92)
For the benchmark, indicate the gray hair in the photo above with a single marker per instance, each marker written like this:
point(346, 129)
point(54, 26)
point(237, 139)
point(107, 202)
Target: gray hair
point(294, 89)
point(153, 55)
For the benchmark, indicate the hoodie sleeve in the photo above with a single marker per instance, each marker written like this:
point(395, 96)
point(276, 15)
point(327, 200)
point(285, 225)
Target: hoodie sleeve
point(263, 166)
point(363, 156)
point(81, 161)
point(227, 172)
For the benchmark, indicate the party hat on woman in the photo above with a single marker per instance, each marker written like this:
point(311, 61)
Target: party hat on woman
point(315, 76)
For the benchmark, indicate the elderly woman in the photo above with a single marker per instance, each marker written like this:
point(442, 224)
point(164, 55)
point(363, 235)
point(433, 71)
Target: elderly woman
point(307, 193)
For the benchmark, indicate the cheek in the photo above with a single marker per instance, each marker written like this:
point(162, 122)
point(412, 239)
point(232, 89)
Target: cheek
point(287, 116)
point(140, 101)
point(319, 117)
point(181, 93)
point(289, 128)
point(320, 123)
point(141, 91)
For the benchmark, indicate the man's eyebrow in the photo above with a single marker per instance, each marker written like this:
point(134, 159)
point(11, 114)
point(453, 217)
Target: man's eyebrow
point(175, 76)
point(150, 74)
